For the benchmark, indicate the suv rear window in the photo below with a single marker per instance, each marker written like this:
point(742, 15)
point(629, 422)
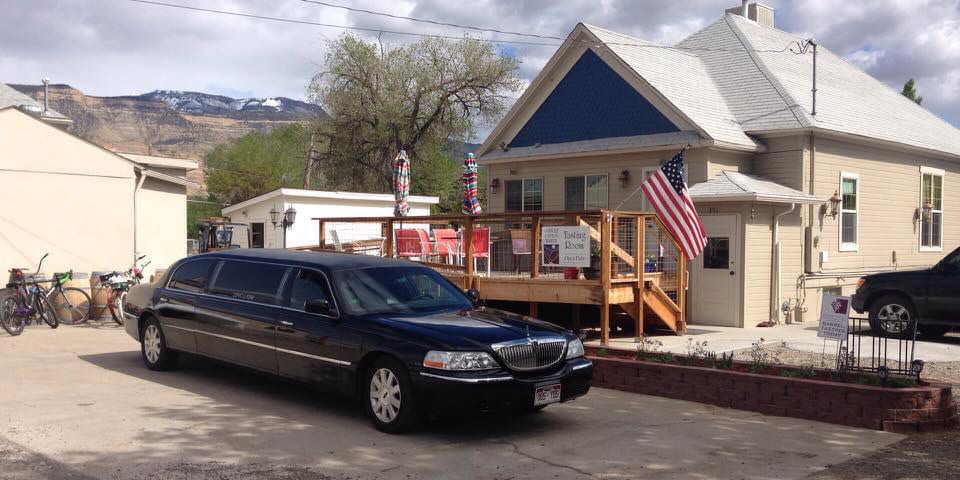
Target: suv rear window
point(250, 281)
point(192, 276)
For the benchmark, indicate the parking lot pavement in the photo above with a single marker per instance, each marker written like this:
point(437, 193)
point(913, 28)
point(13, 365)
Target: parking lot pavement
point(77, 403)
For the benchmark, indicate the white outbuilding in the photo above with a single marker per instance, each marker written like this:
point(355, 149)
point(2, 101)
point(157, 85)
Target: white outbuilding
point(267, 232)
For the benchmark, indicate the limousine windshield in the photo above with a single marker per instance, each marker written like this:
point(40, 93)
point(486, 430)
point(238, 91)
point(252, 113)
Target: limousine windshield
point(397, 290)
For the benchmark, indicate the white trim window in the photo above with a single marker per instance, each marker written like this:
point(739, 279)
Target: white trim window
point(586, 192)
point(849, 228)
point(524, 195)
point(931, 191)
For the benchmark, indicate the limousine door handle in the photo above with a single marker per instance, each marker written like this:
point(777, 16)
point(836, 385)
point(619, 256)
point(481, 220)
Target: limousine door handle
point(163, 300)
point(286, 323)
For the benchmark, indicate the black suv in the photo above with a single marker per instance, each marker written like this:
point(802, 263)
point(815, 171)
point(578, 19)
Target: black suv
point(931, 297)
point(397, 335)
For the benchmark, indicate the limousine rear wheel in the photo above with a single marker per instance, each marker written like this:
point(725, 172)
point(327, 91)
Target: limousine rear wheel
point(390, 402)
point(153, 347)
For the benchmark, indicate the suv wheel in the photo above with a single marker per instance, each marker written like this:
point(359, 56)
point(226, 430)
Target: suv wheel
point(389, 398)
point(153, 347)
point(892, 316)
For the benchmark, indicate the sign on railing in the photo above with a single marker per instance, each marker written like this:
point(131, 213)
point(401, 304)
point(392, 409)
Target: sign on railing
point(565, 246)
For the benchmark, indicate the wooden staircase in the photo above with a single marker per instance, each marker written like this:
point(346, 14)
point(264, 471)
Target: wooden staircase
point(658, 309)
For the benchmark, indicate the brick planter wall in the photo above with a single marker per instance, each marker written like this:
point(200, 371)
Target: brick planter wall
point(926, 407)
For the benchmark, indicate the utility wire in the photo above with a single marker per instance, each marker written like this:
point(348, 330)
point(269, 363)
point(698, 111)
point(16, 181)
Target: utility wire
point(453, 37)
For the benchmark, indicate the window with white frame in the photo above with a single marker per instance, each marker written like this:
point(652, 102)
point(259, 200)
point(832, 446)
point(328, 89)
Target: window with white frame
point(587, 192)
point(525, 195)
point(931, 208)
point(849, 211)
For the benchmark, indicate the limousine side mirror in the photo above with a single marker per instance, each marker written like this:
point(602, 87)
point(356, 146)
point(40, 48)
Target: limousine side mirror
point(474, 295)
point(319, 305)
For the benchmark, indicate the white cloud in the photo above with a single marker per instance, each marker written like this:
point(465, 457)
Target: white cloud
point(115, 47)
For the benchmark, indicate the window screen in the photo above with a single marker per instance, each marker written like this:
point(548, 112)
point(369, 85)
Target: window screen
point(250, 281)
point(532, 194)
point(931, 192)
point(514, 195)
point(192, 276)
point(848, 211)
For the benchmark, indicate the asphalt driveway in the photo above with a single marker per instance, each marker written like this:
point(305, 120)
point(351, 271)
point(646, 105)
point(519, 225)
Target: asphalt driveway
point(77, 403)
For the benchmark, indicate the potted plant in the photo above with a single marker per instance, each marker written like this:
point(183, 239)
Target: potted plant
point(593, 271)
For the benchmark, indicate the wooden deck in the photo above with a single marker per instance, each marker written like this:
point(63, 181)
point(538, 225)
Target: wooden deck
point(624, 285)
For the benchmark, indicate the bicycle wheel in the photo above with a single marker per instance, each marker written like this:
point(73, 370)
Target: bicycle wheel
point(11, 321)
point(46, 311)
point(115, 304)
point(73, 305)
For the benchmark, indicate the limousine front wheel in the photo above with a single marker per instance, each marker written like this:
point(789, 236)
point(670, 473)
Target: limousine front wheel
point(390, 402)
point(153, 347)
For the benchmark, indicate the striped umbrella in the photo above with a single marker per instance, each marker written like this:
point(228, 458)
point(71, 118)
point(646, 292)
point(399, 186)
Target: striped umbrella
point(401, 183)
point(471, 206)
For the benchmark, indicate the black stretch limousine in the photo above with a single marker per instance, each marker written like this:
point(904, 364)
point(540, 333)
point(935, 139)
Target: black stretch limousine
point(397, 335)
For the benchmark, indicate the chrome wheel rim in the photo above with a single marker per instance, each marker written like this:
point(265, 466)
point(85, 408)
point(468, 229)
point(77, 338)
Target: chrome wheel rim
point(151, 343)
point(892, 316)
point(385, 395)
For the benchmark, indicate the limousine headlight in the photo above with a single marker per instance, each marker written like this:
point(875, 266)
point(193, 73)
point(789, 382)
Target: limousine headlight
point(459, 360)
point(574, 348)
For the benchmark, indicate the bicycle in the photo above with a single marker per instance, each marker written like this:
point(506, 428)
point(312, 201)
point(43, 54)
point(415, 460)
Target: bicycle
point(119, 284)
point(26, 300)
point(74, 302)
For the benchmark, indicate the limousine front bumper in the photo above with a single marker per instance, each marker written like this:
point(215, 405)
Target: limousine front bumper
point(442, 393)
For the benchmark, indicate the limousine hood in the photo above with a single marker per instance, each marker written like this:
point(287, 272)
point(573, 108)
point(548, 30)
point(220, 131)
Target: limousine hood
point(472, 328)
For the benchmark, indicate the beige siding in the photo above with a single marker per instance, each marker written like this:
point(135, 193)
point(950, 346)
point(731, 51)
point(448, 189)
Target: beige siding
point(889, 198)
point(721, 160)
point(161, 223)
point(553, 172)
point(758, 238)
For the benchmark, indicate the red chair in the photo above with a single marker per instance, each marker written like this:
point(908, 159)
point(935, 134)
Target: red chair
point(448, 243)
point(481, 246)
point(426, 245)
point(409, 244)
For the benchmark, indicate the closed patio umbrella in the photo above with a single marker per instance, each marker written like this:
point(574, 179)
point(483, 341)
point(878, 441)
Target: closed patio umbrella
point(401, 184)
point(471, 206)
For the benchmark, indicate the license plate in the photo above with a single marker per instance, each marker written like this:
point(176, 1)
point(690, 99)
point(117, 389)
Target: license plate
point(546, 395)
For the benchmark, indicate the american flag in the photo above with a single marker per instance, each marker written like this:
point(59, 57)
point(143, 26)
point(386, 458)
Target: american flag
point(670, 198)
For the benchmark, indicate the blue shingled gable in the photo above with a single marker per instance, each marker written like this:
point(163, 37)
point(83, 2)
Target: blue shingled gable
point(592, 101)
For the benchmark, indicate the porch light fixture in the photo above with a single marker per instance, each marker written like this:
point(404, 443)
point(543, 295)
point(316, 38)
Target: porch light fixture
point(494, 185)
point(624, 178)
point(834, 208)
point(288, 217)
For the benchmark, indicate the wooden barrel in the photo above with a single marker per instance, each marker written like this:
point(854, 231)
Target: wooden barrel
point(157, 275)
point(78, 280)
point(98, 295)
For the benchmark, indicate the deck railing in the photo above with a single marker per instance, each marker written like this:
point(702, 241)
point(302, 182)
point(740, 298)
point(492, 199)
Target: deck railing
point(625, 248)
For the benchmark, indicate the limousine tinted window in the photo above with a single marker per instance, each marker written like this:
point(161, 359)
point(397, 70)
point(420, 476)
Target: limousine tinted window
point(397, 290)
point(250, 281)
point(309, 285)
point(192, 276)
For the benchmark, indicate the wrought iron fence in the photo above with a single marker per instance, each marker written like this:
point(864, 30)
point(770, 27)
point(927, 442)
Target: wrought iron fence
point(879, 351)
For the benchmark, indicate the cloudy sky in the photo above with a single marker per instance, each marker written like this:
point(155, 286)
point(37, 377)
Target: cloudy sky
point(117, 47)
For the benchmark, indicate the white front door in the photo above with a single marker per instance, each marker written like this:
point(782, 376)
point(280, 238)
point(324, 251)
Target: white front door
point(716, 274)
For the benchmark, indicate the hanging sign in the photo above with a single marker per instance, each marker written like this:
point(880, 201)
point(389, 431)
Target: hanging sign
point(834, 317)
point(565, 246)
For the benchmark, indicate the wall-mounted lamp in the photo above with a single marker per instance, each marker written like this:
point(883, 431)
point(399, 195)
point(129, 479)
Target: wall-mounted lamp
point(288, 217)
point(833, 209)
point(624, 178)
point(494, 185)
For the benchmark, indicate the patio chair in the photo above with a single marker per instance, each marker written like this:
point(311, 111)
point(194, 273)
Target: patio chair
point(481, 247)
point(448, 243)
point(336, 241)
point(408, 243)
point(520, 245)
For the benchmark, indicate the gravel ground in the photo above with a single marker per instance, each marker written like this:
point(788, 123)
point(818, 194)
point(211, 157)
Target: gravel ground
point(922, 456)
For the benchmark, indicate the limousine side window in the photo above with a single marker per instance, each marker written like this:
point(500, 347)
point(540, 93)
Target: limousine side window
point(250, 281)
point(192, 276)
point(309, 285)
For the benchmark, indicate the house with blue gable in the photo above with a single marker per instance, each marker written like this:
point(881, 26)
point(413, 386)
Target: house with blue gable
point(800, 193)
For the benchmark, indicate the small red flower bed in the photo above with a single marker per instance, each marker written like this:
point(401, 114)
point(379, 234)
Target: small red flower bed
point(780, 390)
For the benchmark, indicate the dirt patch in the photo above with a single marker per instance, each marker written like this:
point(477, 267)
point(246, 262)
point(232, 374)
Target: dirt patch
point(927, 456)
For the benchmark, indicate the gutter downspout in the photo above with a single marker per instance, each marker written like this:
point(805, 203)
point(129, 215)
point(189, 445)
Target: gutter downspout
point(775, 311)
point(136, 216)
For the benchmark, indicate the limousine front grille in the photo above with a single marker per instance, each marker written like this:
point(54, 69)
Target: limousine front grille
point(532, 354)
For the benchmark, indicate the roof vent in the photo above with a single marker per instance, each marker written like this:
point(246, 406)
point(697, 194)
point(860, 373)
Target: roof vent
point(757, 12)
